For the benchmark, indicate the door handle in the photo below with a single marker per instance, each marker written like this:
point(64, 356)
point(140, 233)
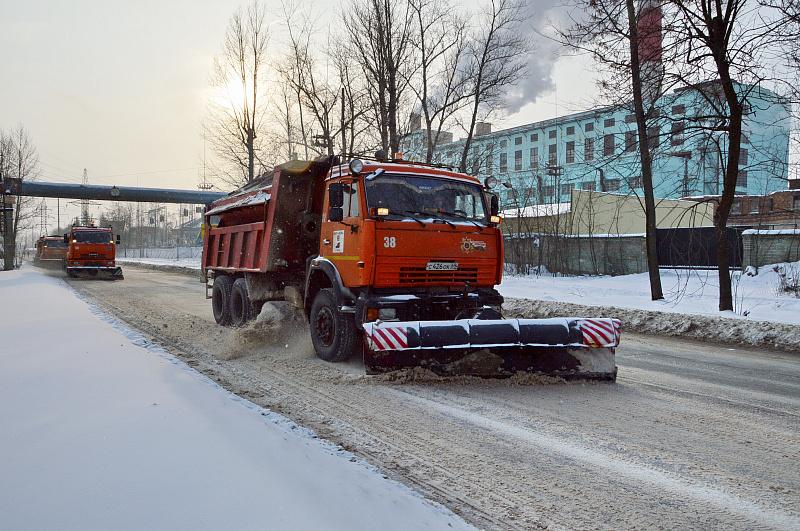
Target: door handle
point(326, 241)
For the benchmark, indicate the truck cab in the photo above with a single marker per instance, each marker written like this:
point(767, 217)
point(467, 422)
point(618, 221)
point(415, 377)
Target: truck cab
point(91, 252)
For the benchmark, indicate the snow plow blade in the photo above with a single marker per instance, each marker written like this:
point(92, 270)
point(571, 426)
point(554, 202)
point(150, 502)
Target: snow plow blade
point(570, 348)
point(107, 273)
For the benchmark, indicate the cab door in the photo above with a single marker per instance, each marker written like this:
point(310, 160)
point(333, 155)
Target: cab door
point(341, 239)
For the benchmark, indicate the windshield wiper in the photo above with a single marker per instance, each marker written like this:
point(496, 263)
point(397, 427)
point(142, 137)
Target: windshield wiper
point(462, 216)
point(413, 213)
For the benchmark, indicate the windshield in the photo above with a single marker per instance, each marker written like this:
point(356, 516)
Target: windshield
point(56, 244)
point(92, 237)
point(426, 196)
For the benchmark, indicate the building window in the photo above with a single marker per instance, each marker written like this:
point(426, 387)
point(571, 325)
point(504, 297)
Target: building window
point(679, 109)
point(570, 129)
point(518, 160)
point(636, 182)
point(566, 189)
point(676, 133)
point(796, 203)
point(652, 137)
point(534, 157)
point(630, 141)
point(518, 141)
point(503, 162)
point(612, 185)
point(503, 144)
point(489, 162)
point(743, 157)
point(588, 185)
point(630, 118)
point(588, 149)
point(549, 190)
point(609, 145)
point(741, 179)
point(588, 127)
point(534, 137)
point(552, 134)
point(552, 154)
point(736, 207)
point(609, 122)
point(754, 204)
point(770, 204)
point(570, 152)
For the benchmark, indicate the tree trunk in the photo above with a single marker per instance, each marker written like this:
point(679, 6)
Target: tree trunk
point(656, 292)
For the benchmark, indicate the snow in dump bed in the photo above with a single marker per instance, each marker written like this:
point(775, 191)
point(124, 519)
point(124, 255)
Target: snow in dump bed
point(99, 432)
point(757, 297)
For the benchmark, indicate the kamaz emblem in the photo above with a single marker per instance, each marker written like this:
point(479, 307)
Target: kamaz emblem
point(468, 245)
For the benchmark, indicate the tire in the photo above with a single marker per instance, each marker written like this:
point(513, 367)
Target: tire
point(221, 299)
point(332, 332)
point(241, 308)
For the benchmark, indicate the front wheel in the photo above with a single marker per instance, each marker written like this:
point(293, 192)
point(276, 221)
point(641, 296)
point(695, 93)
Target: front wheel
point(333, 333)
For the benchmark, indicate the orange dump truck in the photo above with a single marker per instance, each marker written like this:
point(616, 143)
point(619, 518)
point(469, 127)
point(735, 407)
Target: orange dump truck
point(391, 260)
point(92, 253)
point(50, 252)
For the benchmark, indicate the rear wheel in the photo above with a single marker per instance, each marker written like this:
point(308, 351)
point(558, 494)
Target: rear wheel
point(221, 299)
point(241, 307)
point(333, 333)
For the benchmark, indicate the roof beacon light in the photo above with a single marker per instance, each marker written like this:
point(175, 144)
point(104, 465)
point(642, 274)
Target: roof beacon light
point(356, 166)
point(490, 182)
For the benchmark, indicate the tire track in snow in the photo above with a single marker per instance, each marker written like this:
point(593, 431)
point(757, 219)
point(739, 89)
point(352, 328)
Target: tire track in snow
point(680, 486)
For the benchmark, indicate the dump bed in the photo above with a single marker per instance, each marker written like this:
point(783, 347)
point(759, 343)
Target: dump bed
point(271, 224)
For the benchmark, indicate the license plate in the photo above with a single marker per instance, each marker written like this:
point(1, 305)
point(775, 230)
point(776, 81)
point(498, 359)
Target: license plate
point(441, 266)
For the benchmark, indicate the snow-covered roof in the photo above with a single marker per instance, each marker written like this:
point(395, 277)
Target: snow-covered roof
point(536, 211)
point(772, 231)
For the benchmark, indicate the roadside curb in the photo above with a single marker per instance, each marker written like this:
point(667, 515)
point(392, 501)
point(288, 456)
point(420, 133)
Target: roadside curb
point(727, 331)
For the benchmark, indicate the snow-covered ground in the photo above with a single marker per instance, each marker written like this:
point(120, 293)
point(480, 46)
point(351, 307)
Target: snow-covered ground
point(686, 291)
point(101, 430)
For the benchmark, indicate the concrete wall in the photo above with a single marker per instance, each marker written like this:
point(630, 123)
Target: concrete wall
point(770, 247)
point(578, 256)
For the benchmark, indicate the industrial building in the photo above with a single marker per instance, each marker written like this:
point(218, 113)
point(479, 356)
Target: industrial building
point(542, 162)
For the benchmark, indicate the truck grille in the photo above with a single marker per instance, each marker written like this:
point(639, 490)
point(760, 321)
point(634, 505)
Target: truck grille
point(415, 276)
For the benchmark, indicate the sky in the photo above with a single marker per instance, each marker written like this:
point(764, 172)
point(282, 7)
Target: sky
point(121, 88)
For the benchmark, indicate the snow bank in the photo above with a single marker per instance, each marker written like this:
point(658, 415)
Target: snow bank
point(763, 317)
point(102, 433)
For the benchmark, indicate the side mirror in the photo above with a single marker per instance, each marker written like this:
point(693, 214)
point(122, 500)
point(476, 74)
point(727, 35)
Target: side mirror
point(66, 239)
point(118, 240)
point(336, 195)
point(494, 206)
point(335, 214)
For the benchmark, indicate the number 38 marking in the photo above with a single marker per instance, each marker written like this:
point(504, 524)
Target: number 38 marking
point(389, 242)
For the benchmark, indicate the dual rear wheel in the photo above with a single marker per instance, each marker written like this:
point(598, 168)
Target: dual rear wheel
point(230, 301)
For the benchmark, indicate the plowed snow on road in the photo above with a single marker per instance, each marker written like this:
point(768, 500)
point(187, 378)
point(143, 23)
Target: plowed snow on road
point(691, 435)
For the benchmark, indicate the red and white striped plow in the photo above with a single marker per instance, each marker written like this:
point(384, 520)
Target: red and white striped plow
point(600, 332)
point(569, 347)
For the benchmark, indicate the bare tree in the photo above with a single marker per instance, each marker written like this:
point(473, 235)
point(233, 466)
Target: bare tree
point(439, 86)
point(19, 159)
point(730, 41)
point(380, 33)
point(626, 43)
point(495, 60)
point(236, 120)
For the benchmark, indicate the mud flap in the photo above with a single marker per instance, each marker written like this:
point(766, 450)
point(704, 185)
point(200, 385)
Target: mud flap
point(573, 347)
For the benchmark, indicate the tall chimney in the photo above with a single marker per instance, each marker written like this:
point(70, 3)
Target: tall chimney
point(650, 48)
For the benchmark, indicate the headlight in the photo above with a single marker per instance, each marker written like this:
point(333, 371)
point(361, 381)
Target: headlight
point(490, 182)
point(387, 314)
point(356, 166)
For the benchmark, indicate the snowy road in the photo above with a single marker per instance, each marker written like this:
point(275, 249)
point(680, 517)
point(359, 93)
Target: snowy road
point(691, 435)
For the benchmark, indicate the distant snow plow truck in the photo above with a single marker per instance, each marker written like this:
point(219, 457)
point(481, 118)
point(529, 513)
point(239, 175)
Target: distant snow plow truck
point(397, 261)
point(91, 253)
